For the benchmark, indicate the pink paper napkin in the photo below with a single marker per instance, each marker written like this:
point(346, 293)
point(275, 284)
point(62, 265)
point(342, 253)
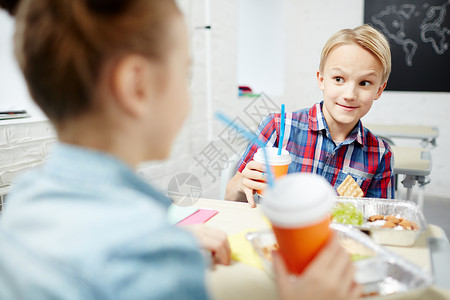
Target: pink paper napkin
point(199, 217)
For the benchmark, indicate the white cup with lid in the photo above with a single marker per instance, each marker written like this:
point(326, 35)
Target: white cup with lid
point(279, 164)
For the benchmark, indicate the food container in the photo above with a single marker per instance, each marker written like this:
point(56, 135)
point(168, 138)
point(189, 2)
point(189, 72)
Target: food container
point(386, 207)
point(381, 273)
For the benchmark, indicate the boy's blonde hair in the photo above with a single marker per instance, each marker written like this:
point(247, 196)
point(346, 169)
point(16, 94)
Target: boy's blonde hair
point(366, 37)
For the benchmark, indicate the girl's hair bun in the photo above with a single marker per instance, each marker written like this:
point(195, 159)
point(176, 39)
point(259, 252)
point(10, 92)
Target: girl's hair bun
point(9, 5)
point(106, 6)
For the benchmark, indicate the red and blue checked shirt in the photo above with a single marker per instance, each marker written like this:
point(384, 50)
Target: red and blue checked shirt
point(368, 159)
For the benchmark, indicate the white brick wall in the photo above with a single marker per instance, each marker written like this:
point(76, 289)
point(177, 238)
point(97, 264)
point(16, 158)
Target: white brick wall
point(223, 57)
point(22, 147)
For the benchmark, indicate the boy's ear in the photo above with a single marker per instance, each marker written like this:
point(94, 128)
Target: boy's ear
point(131, 84)
point(380, 91)
point(320, 80)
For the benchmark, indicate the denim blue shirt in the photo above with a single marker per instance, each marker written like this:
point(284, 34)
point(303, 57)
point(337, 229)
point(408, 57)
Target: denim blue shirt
point(84, 226)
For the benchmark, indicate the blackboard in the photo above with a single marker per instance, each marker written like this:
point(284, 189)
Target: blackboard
point(419, 37)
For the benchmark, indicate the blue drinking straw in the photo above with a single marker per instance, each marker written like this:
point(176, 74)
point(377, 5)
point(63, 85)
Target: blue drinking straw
point(252, 138)
point(280, 140)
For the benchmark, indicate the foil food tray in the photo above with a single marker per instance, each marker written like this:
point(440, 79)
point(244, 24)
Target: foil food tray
point(383, 273)
point(386, 207)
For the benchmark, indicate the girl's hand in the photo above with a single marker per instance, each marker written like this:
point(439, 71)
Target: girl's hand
point(213, 240)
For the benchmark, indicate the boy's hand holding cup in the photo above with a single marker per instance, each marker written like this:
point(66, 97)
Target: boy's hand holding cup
point(279, 164)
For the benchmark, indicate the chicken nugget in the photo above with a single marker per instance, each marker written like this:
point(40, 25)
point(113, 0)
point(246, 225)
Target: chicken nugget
point(389, 224)
point(376, 218)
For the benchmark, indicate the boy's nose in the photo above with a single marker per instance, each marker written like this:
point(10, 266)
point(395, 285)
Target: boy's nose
point(350, 91)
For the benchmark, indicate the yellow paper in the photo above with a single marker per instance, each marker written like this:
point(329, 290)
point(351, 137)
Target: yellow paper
point(267, 221)
point(242, 251)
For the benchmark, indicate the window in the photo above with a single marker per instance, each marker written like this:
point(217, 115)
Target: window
point(261, 45)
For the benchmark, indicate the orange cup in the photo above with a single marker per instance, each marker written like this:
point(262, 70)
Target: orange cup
point(298, 246)
point(298, 207)
point(279, 164)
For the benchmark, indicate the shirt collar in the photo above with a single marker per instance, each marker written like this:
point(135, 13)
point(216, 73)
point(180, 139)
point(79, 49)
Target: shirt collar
point(316, 122)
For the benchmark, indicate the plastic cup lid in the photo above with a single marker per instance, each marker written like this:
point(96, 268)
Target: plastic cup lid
point(298, 199)
point(274, 158)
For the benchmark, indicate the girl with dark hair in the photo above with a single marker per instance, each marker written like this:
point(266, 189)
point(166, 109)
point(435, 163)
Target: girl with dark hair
point(112, 78)
point(111, 75)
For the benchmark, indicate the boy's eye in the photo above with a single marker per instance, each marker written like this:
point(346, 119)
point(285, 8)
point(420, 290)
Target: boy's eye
point(339, 79)
point(365, 83)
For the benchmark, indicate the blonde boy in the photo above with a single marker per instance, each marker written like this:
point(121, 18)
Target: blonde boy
point(329, 138)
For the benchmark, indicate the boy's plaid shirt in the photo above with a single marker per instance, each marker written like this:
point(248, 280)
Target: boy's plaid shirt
point(368, 159)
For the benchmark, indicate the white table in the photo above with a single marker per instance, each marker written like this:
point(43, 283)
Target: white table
point(240, 281)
